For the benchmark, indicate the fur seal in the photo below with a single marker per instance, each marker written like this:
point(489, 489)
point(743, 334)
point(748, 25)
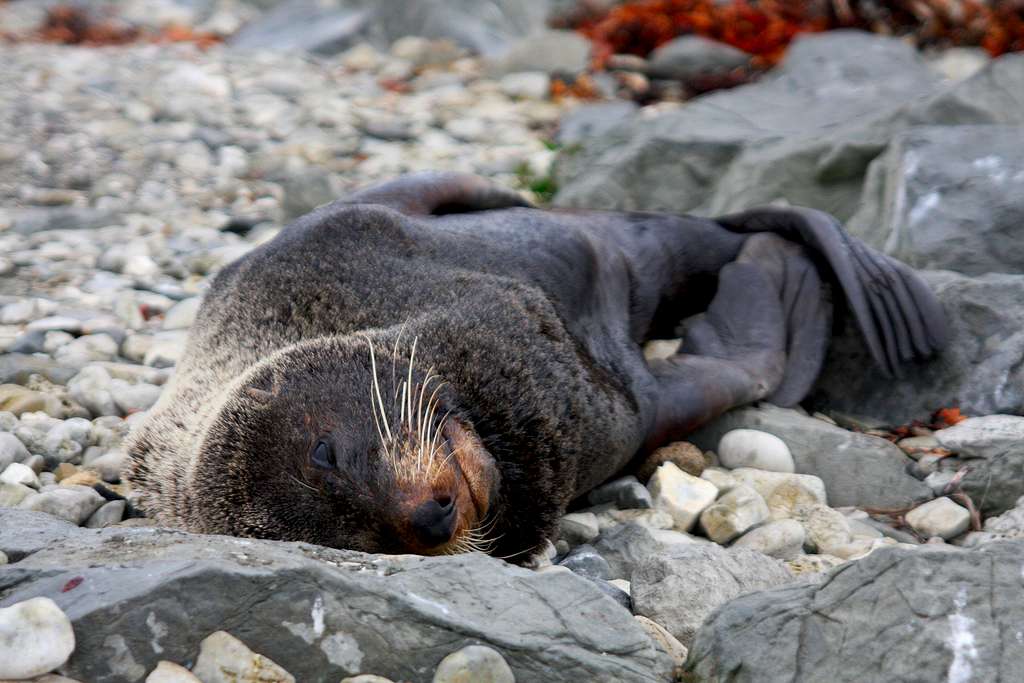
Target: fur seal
point(434, 366)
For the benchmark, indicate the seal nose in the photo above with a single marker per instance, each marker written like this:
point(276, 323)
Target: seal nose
point(434, 521)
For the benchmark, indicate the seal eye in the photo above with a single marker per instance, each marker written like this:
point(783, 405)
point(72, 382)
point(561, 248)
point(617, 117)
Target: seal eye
point(323, 455)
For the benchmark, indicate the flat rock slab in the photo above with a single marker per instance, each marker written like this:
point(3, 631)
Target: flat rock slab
point(897, 615)
point(136, 596)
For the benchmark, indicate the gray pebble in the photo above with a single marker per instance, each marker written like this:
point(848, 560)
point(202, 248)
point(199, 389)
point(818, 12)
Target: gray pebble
point(476, 663)
point(72, 503)
point(109, 513)
point(587, 562)
point(627, 493)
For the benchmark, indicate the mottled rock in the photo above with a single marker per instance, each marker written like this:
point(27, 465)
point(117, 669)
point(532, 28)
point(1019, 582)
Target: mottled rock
point(474, 663)
point(940, 517)
point(680, 588)
point(587, 562)
point(35, 637)
point(782, 539)
point(983, 437)
point(681, 495)
point(625, 546)
point(733, 514)
point(682, 454)
point(427, 607)
point(953, 611)
point(626, 492)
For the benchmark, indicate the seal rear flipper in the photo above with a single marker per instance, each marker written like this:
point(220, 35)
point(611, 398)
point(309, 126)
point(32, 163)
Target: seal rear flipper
point(438, 193)
point(733, 354)
point(898, 316)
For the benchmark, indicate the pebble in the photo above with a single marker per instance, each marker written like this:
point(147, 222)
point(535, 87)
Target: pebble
point(110, 465)
point(182, 314)
point(133, 398)
point(72, 503)
point(92, 388)
point(652, 519)
point(682, 495)
point(627, 493)
point(109, 513)
point(827, 529)
point(813, 564)
point(587, 562)
point(721, 478)
point(983, 437)
point(19, 400)
point(757, 449)
point(532, 85)
point(682, 454)
point(473, 664)
point(765, 482)
point(733, 514)
point(578, 528)
point(225, 659)
point(940, 517)
point(35, 637)
point(366, 678)
point(782, 539)
point(169, 672)
point(11, 450)
point(614, 592)
point(12, 495)
point(17, 473)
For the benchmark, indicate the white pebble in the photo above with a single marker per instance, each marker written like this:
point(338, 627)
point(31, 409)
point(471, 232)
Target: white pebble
point(17, 473)
point(940, 517)
point(35, 637)
point(757, 449)
point(681, 495)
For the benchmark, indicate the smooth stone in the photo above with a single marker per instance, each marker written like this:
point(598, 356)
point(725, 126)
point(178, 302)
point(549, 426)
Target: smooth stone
point(226, 659)
point(529, 85)
point(20, 400)
point(681, 495)
point(587, 562)
point(786, 497)
point(733, 514)
point(626, 492)
point(134, 398)
point(578, 528)
point(679, 589)
point(169, 672)
point(366, 678)
point(782, 539)
point(473, 664)
point(983, 437)
point(691, 56)
point(74, 504)
point(940, 517)
point(182, 314)
point(92, 388)
point(110, 465)
point(11, 495)
point(35, 637)
point(664, 640)
point(861, 529)
point(109, 513)
point(19, 474)
point(756, 449)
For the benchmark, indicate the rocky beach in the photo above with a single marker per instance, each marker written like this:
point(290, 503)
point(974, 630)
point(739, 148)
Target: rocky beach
point(875, 533)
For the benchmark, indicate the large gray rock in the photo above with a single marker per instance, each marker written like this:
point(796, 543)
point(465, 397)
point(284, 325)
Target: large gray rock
point(857, 469)
point(320, 613)
point(329, 26)
point(981, 371)
point(897, 615)
point(949, 198)
point(680, 588)
point(805, 134)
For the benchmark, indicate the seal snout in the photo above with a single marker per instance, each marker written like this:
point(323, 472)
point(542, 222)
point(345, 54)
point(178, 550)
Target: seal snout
point(434, 521)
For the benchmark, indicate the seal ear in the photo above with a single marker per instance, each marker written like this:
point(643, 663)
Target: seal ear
point(261, 396)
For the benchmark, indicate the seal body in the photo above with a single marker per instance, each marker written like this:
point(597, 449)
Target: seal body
point(432, 366)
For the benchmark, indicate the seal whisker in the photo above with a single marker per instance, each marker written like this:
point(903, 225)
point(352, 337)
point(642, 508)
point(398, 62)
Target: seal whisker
point(302, 483)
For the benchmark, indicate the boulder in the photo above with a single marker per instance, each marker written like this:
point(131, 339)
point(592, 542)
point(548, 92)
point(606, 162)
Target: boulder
point(833, 103)
point(983, 437)
point(950, 198)
point(330, 26)
point(957, 615)
point(320, 614)
point(981, 371)
point(679, 588)
point(857, 469)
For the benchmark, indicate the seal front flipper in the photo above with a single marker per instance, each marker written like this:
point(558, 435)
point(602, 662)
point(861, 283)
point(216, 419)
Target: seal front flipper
point(898, 316)
point(439, 193)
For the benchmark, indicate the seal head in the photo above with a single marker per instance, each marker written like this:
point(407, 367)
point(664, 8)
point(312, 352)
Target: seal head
point(357, 448)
